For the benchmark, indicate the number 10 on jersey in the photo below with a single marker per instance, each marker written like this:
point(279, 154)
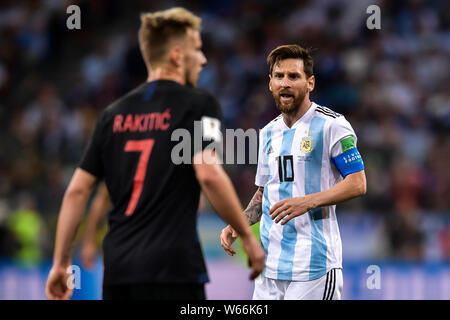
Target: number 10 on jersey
point(286, 168)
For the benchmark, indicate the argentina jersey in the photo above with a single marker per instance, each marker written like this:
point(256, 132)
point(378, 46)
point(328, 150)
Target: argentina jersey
point(311, 156)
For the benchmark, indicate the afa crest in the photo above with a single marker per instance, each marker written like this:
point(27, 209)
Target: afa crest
point(307, 144)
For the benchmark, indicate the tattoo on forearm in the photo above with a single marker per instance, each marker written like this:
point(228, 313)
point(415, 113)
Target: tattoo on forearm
point(254, 209)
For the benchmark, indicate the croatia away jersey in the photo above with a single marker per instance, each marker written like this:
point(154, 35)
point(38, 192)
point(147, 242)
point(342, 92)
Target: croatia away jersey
point(311, 156)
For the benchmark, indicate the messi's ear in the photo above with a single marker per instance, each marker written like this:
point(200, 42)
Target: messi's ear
point(270, 83)
point(311, 83)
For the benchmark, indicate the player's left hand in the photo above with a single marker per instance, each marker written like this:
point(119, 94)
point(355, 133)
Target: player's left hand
point(289, 208)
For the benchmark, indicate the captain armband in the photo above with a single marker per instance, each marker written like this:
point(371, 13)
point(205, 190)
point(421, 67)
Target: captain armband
point(350, 160)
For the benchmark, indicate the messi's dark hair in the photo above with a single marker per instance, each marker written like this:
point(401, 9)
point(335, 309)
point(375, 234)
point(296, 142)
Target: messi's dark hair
point(292, 51)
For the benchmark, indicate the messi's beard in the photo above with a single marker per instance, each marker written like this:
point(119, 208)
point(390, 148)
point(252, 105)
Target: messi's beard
point(293, 107)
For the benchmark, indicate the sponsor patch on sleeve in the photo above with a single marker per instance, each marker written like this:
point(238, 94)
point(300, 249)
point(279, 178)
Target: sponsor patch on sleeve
point(211, 128)
point(347, 144)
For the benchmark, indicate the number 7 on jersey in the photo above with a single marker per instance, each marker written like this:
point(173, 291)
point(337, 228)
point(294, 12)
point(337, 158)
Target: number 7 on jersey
point(145, 147)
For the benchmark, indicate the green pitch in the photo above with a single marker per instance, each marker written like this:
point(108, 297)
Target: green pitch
point(240, 253)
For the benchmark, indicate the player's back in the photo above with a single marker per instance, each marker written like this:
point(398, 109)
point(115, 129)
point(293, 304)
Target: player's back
point(152, 224)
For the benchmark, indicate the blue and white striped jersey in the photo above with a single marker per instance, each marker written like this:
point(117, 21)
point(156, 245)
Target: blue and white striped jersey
point(295, 162)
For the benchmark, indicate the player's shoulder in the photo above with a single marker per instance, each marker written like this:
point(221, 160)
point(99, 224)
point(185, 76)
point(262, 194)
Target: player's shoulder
point(203, 103)
point(123, 101)
point(326, 113)
point(335, 122)
point(192, 97)
point(273, 122)
point(202, 95)
point(332, 118)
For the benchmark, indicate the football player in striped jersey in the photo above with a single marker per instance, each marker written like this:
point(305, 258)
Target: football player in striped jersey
point(308, 162)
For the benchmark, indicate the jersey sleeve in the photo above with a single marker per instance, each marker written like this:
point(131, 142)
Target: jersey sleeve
point(343, 150)
point(262, 170)
point(92, 159)
point(208, 122)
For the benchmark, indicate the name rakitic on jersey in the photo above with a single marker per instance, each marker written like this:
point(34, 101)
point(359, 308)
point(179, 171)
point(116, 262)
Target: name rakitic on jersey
point(142, 122)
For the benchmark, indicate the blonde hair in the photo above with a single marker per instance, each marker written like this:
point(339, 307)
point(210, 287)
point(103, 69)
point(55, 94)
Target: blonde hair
point(160, 29)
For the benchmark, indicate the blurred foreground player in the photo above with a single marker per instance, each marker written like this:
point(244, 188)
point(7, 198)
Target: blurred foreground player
point(308, 162)
point(152, 250)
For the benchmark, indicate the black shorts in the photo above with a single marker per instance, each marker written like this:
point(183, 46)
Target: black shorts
point(154, 292)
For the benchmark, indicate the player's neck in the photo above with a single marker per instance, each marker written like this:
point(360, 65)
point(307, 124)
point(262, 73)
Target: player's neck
point(292, 117)
point(166, 74)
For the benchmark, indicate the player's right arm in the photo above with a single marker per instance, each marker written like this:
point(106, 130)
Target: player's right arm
point(220, 192)
point(252, 213)
point(99, 208)
point(70, 215)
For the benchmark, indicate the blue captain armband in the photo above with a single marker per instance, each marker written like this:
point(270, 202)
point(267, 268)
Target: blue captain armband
point(349, 162)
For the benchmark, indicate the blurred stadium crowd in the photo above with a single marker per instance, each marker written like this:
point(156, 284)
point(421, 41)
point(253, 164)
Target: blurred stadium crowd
point(392, 84)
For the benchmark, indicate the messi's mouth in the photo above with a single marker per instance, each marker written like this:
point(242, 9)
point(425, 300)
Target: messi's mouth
point(286, 97)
